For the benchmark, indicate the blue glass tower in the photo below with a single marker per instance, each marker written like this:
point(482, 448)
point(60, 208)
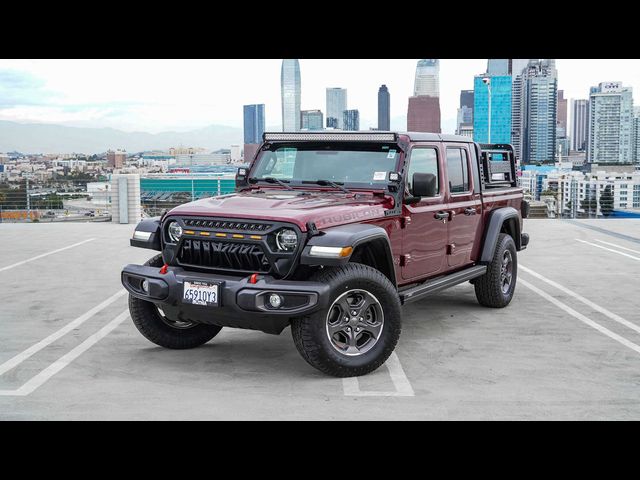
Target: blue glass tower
point(253, 123)
point(500, 109)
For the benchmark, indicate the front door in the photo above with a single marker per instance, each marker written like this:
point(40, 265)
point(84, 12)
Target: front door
point(465, 206)
point(424, 237)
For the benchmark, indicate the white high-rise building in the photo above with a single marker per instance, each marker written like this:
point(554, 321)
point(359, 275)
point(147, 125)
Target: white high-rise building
point(610, 124)
point(291, 90)
point(427, 78)
point(336, 105)
point(534, 112)
point(636, 134)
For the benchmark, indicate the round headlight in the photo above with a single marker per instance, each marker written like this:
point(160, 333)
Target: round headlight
point(286, 239)
point(175, 231)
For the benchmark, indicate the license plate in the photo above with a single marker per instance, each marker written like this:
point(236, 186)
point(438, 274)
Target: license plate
point(201, 293)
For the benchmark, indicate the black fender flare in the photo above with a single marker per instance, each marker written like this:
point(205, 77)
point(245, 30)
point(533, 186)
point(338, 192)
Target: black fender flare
point(497, 218)
point(149, 236)
point(353, 236)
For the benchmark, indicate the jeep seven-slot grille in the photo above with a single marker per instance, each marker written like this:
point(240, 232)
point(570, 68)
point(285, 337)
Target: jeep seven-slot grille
point(226, 225)
point(223, 255)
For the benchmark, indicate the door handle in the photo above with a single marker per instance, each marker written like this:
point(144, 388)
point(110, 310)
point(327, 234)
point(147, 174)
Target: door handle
point(470, 211)
point(441, 216)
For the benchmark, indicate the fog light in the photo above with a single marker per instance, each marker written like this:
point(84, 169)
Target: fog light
point(275, 300)
point(145, 286)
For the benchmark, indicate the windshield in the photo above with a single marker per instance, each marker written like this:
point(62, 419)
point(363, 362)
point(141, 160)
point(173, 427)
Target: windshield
point(359, 165)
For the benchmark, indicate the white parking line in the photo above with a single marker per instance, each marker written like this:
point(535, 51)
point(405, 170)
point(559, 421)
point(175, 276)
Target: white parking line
point(22, 356)
point(581, 317)
point(39, 379)
point(351, 386)
point(609, 249)
point(44, 255)
point(586, 301)
point(619, 246)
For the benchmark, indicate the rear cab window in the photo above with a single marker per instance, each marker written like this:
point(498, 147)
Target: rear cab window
point(458, 170)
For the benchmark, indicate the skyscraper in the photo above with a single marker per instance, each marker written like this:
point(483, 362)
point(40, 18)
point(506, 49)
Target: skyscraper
point(535, 115)
point(466, 98)
point(311, 120)
point(423, 114)
point(636, 135)
point(465, 112)
point(291, 89)
point(498, 67)
point(579, 109)
point(253, 123)
point(336, 104)
point(351, 120)
point(500, 109)
point(427, 78)
point(384, 108)
point(517, 65)
point(562, 113)
point(610, 124)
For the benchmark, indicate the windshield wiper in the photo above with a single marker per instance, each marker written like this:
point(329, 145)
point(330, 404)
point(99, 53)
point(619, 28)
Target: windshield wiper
point(271, 180)
point(328, 183)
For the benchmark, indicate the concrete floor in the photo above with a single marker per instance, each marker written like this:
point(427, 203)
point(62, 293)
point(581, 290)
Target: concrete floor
point(548, 355)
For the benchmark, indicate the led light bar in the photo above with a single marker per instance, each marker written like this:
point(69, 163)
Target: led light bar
point(331, 136)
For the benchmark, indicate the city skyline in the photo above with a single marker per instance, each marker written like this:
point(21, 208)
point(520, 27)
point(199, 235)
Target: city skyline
point(130, 96)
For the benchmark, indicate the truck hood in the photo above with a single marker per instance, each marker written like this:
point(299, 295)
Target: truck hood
point(324, 208)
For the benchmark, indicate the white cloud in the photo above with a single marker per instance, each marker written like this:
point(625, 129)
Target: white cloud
point(157, 95)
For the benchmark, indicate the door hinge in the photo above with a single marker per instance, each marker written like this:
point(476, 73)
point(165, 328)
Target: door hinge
point(404, 221)
point(404, 259)
point(451, 248)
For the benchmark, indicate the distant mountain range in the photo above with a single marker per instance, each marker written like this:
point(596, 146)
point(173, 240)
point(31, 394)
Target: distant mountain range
point(46, 138)
point(32, 138)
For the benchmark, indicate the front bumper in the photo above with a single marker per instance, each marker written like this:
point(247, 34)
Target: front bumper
point(241, 304)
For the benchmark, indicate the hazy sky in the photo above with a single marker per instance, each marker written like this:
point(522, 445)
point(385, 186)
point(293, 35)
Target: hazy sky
point(159, 95)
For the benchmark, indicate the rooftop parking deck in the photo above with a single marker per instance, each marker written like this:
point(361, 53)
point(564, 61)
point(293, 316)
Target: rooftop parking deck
point(568, 346)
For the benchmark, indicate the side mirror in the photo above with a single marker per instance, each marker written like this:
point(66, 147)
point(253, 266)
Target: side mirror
point(424, 185)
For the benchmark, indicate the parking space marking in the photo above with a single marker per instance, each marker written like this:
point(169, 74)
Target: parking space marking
point(581, 317)
point(618, 246)
point(38, 380)
point(351, 386)
point(38, 257)
point(586, 301)
point(22, 356)
point(609, 249)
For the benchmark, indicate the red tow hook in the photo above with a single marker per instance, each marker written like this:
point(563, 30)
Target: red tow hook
point(253, 278)
point(163, 270)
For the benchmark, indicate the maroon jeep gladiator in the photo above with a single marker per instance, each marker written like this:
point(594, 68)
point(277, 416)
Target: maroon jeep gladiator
point(331, 233)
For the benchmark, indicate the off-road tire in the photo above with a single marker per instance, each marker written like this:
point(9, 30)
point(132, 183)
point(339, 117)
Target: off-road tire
point(310, 334)
point(148, 321)
point(489, 286)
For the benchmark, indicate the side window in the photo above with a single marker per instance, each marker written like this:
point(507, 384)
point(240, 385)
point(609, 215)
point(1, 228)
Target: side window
point(458, 169)
point(423, 160)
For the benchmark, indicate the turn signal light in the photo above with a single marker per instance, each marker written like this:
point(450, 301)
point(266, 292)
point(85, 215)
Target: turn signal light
point(330, 252)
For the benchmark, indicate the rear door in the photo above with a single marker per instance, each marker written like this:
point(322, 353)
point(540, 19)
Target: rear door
point(464, 205)
point(424, 237)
